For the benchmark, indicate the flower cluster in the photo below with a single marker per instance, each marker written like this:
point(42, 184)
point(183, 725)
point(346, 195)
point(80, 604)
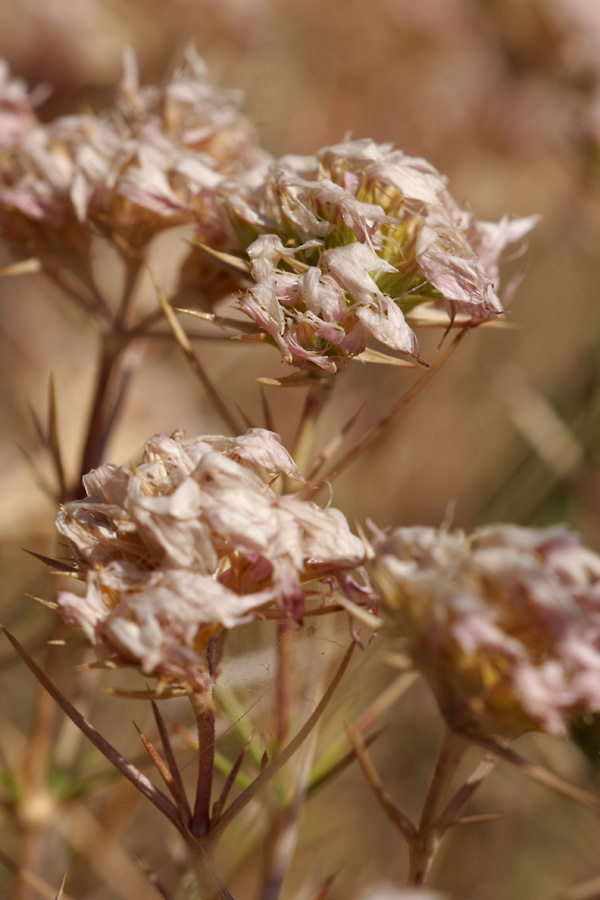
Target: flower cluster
point(150, 162)
point(504, 624)
point(192, 540)
point(342, 244)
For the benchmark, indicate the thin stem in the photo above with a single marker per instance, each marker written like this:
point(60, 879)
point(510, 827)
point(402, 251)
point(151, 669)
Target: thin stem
point(132, 271)
point(452, 750)
point(400, 820)
point(107, 398)
point(423, 851)
point(205, 720)
point(379, 426)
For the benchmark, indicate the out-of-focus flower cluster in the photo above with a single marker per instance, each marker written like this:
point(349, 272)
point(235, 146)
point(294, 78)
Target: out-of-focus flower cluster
point(342, 244)
point(192, 540)
point(504, 624)
point(150, 162)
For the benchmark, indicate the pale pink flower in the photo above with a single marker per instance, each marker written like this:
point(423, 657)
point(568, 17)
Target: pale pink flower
point(152, 161)
point(17, 116)
point(192, 540)
point(191, 112)
point(504, 624)
point(341, 245)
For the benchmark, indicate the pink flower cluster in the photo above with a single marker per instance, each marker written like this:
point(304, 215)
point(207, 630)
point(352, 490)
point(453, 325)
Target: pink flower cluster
point(342, 244)
point(150, 162)
point(192, 540)
point(504, 624)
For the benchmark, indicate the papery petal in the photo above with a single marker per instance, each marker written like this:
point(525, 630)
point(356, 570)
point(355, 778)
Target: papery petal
point(386, 322)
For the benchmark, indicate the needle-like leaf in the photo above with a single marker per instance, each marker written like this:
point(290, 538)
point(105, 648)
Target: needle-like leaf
point(170, 759)
point(174, 786)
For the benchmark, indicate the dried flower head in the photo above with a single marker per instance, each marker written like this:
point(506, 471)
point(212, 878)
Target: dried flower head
point(150, 162)
point(190, 541)
point(191, 112)
point(504, 624)
point(343, 244)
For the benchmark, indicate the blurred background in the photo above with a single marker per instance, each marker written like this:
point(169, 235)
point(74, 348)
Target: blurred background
point(503, 96)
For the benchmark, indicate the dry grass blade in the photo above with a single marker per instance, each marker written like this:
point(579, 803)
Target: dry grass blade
point(272, 768)
point(174, 787)
point(540, 775)
point(183, 341)
point(53, 438)
point(170, 760)
point(404, 825)
point(127, 769)
point(379, 426)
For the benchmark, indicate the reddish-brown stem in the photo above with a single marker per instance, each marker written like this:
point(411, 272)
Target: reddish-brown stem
point(107, 398)
point(205, 720)
point(422, 852)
